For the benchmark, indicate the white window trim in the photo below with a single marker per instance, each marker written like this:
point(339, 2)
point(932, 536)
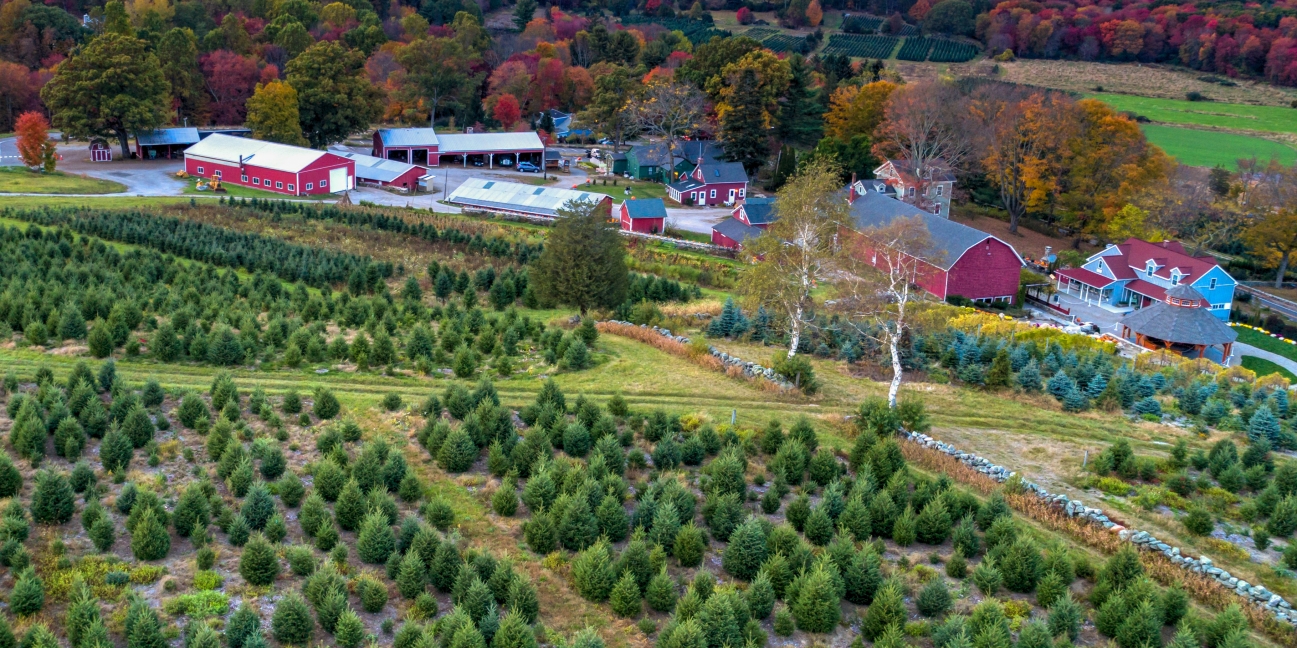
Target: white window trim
point(290, 187)
point(279, 185)
point(324, 183)
point(216, 173)
point(256, 181)
point(309, 186)
point(200, 170)
point(713, 193)
point(245, 177)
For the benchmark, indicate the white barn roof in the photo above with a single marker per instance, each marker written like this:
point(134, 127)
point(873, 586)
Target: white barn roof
point(511, 196)
point(268, 155)
point(489, 142)
point(376, 169)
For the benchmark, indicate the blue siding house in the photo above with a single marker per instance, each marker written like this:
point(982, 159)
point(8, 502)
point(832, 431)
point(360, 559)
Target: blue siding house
point(1137, 274)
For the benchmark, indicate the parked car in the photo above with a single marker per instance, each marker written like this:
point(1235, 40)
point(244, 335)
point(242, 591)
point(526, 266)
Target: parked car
point(528, 167)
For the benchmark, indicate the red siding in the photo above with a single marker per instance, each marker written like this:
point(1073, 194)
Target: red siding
point(646, 225)
point(722, 193)
point(313, 174)
point(724, 241)
point(987, 270)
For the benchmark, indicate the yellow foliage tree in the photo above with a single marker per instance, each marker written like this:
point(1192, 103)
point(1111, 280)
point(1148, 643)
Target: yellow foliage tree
point(773, 76)
point(273, 114)
point(857, 110)
point(1131, 222)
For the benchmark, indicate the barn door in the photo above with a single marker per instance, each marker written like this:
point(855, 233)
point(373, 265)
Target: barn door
point(338, 180)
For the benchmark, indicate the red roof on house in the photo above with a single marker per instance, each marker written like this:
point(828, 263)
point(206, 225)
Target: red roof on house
point(1166, 255)
point(1086, 277)
point(1147, 289)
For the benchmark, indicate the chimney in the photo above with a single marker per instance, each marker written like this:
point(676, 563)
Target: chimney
point(1048, 249)
point(851, 197)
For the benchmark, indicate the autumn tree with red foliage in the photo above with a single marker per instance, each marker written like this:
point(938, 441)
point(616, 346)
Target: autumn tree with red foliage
point(507, 111)
point(33, 140)
point(744, 16)
point(231, 80)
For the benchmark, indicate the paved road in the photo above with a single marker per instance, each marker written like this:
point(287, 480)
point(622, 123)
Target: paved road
point(9, 152)
point(1241, 349)
point(1274, 303)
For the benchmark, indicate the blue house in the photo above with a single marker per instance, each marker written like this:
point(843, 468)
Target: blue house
point(1137, 274)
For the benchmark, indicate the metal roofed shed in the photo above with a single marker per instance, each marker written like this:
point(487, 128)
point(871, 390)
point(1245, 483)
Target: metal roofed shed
point(512, 198)
point(165, 142)
point(408, 136)
point(489, 142)
point(386, 173)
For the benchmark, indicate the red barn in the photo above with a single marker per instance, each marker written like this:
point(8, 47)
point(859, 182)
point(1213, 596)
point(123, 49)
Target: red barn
point(757, 211)
point(711, 183)
point(965, 261)
point(732, 232)
point(289, 170)
point(648, 216)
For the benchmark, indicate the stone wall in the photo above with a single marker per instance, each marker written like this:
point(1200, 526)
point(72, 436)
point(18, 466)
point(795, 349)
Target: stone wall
point(1254, 594)
point(750, 369)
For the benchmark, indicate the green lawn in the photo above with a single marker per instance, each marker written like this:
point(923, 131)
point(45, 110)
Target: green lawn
point(1209, 148)
point(639, 190)
point(1266, 343)
point(1264, 367)
point(1274, 119)
point(21, 180)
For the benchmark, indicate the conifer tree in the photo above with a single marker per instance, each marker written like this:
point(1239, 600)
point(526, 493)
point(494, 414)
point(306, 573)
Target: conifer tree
point(933, 524)
point(817, 606)
point(53, 502)
point(625, 597)
point(412, 578)
point(1065, 618)
point(689, 546)
point(934, 598)
point(350, 630)
point(376, 541)
point(116, 451)
point(612, 519)
point(743, 127)
point(1141, 628)
point(292, 623)
point(326, 405)
point(747, 550)
point(193, 508)
point(350, 508)
point(258, 506)
point(138, 426)
point(905, 530)
point(1021, 566)
point(819, 527)
point(1049, 589)
point(28, 594)
point(592, 571)
point(661, 592)
point(761, 596)
point(888, 608)
point(524, 600)
point(258, 564)
point(149, 539)
point(244, 624)
point(11, 480)
point(103, 533)
point(578, 529)
point(458, 452)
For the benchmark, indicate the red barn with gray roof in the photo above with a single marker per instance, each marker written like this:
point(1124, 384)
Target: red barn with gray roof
point(648, 216)
point(964, 261)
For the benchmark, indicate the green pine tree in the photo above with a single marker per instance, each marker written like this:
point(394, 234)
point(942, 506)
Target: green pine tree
point(514, 632)
point(412, 578)
point(350, 630)
point(53, 502)
point(28, 594)
point(458, 452)
point(661, 592)
point(292, 623)
point(149, 539)
point(934, 598)
point(905, 530)
point(760, 596)
point(744, 124)
point(583, 264)
point(592, 571)
point(376, 541)
point(817, 607)
point(258, 564)
point(625, 597)
point(888, 608)
point(689, 546)
point(747, 549)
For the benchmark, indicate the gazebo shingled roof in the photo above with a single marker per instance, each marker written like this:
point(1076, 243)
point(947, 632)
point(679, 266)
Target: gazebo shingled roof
point(1180, 320)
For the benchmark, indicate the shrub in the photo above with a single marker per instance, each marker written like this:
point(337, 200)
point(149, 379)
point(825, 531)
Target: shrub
point(784, 623)
point(1198, 521)
point(326, 404)
point(505, 500)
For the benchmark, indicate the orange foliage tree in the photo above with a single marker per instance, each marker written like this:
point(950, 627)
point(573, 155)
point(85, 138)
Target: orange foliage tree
point(857, 110)
point(34, 146)
point(815, 13)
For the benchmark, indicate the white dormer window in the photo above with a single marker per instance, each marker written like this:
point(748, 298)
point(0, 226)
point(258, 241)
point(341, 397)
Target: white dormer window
point(1148, 270)
point(1175, 277)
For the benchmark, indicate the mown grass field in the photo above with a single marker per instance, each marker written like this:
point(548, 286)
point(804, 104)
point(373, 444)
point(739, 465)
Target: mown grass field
point(21, 180)
point(1264, 367)
point(1266, 343)
point(1193, 147)
point(638, 190)
point(1274, 119)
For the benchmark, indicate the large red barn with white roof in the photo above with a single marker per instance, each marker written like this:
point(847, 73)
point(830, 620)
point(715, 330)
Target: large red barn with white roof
point(289, 170)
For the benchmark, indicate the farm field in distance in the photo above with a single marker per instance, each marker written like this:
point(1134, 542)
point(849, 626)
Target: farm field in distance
point(1196, 147)
point(1273, 119)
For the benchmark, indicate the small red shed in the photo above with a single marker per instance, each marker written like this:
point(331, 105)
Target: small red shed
point(100, 151)
point(648, 216)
